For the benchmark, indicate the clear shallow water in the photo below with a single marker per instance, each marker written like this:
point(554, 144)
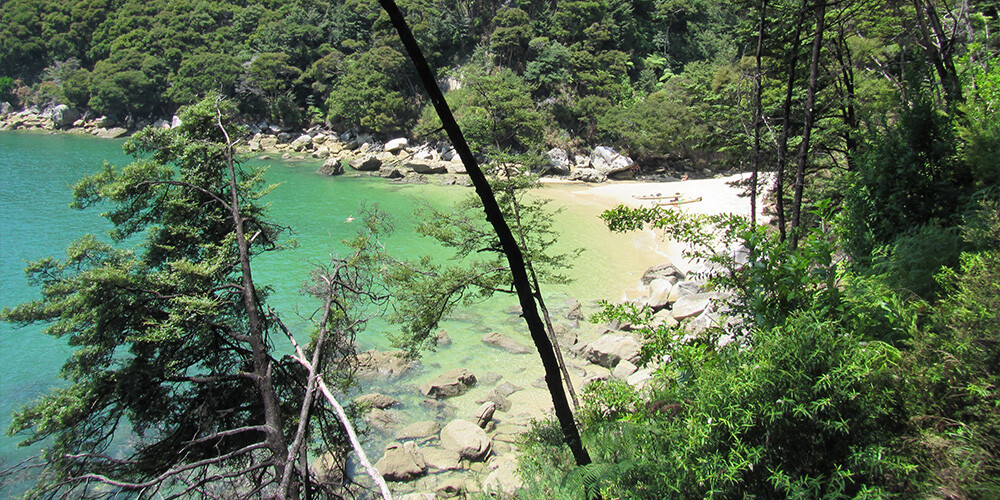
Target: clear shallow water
point(37, 169)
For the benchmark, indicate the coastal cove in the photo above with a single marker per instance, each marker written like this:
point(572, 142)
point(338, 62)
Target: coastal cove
point(36, 222)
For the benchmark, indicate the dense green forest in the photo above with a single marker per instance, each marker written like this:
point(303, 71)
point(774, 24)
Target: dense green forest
point(863, 355)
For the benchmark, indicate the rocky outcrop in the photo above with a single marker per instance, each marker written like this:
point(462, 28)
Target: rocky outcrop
point(558, 163)
point(401, 462)
point(450, 383)
point(662, 271)
point(331, 166)
point(504, 342)
point(468, 439)
point(395, 145)
point(609, 349)
point(64, 116)
point(692, 305)
point(366, 164)
point(607, 161)
point(590, 175)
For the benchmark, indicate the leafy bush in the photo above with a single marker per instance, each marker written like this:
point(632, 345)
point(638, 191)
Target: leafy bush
point(809, 411)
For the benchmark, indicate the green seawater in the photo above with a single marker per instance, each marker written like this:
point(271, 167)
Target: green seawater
point(37, 170)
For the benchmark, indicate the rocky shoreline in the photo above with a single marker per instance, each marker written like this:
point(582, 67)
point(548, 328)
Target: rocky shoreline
point(397, 159)
point(454, 454)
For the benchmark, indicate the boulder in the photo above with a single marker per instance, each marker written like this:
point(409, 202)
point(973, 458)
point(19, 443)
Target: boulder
point(391, 173)
point(441, 459)
point(450, 487)
point(64, 116)
point(467, 438)
point(268, 142)
point(608, 161)
point(559, 163)
point(639, 378)
point(426, 167)
point(450, 383)
point(624, 369)
point(501, 341)
point(683, 288)
point(662, 271)
point(395, 145)
point(441, 338)
point(401, 462)
point(692, 305)
point(426, 153)
point(587, 175)
point(111, 133)
point(331, 167)
point(176, 121)
point(419, 430)
point(581, 161)
point(388, 364)
point(6, 108)
point(485, 413)
point(506, 389)
point(504, 480)
point(301, 142)
point(575, 310)
point(663, 317)
point(367, 164)
point(609, 349)
point(161, 123)
point(659, 293)
point(382, 420)
point(376, 400)
point(498, 399)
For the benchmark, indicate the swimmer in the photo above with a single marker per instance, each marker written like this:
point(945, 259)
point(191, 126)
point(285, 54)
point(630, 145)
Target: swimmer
point(350, 218)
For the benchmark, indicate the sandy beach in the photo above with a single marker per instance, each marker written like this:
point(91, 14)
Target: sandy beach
point(718, 195)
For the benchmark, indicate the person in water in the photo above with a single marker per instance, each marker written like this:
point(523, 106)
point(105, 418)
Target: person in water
point(350, 218)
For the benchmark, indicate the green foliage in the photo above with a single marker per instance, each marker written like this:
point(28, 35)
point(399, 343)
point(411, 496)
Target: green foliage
point(955, 377)
point(367, 95)
point(808, 411)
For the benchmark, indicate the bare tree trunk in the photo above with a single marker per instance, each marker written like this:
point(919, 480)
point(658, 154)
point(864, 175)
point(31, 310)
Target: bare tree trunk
point(509, 244)
point(256, 337)
point(810, 117)
point(848, 109)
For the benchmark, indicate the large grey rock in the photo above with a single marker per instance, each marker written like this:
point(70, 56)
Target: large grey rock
point(624, 369)
point(301, 142)
point(662, 271)
point(683, 288)
point(506, 389)
point(419, 430)
point(659, 293)
point(383, 420)
point(450, 383)
point(608, 161)
point(111, 133)
point(395, 145)
point(495, 397)
point(64, 116)
point(161, 123)
point(501, 341)
point(450, 487)
point(639, 378)
point(609, 349)
point(692, 305)
point(484, 414)
point(331, 166)
point(391, 172)
point(427, 167)
point(401, 462)
point(559, 163)
point(591, 175)
point(504, 480)
point(467, 438)
point(366, 164)
point(441, 459)
point(6, 108)
point(376, 400)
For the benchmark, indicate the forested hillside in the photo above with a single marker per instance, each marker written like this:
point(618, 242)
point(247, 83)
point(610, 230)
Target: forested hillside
point(663, 80)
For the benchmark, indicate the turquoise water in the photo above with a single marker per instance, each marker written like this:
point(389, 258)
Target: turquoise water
point(36, 170)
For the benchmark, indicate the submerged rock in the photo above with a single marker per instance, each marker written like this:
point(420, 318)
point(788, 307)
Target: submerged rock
point(450, 383)
point(501, 341)
point(401, 462)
